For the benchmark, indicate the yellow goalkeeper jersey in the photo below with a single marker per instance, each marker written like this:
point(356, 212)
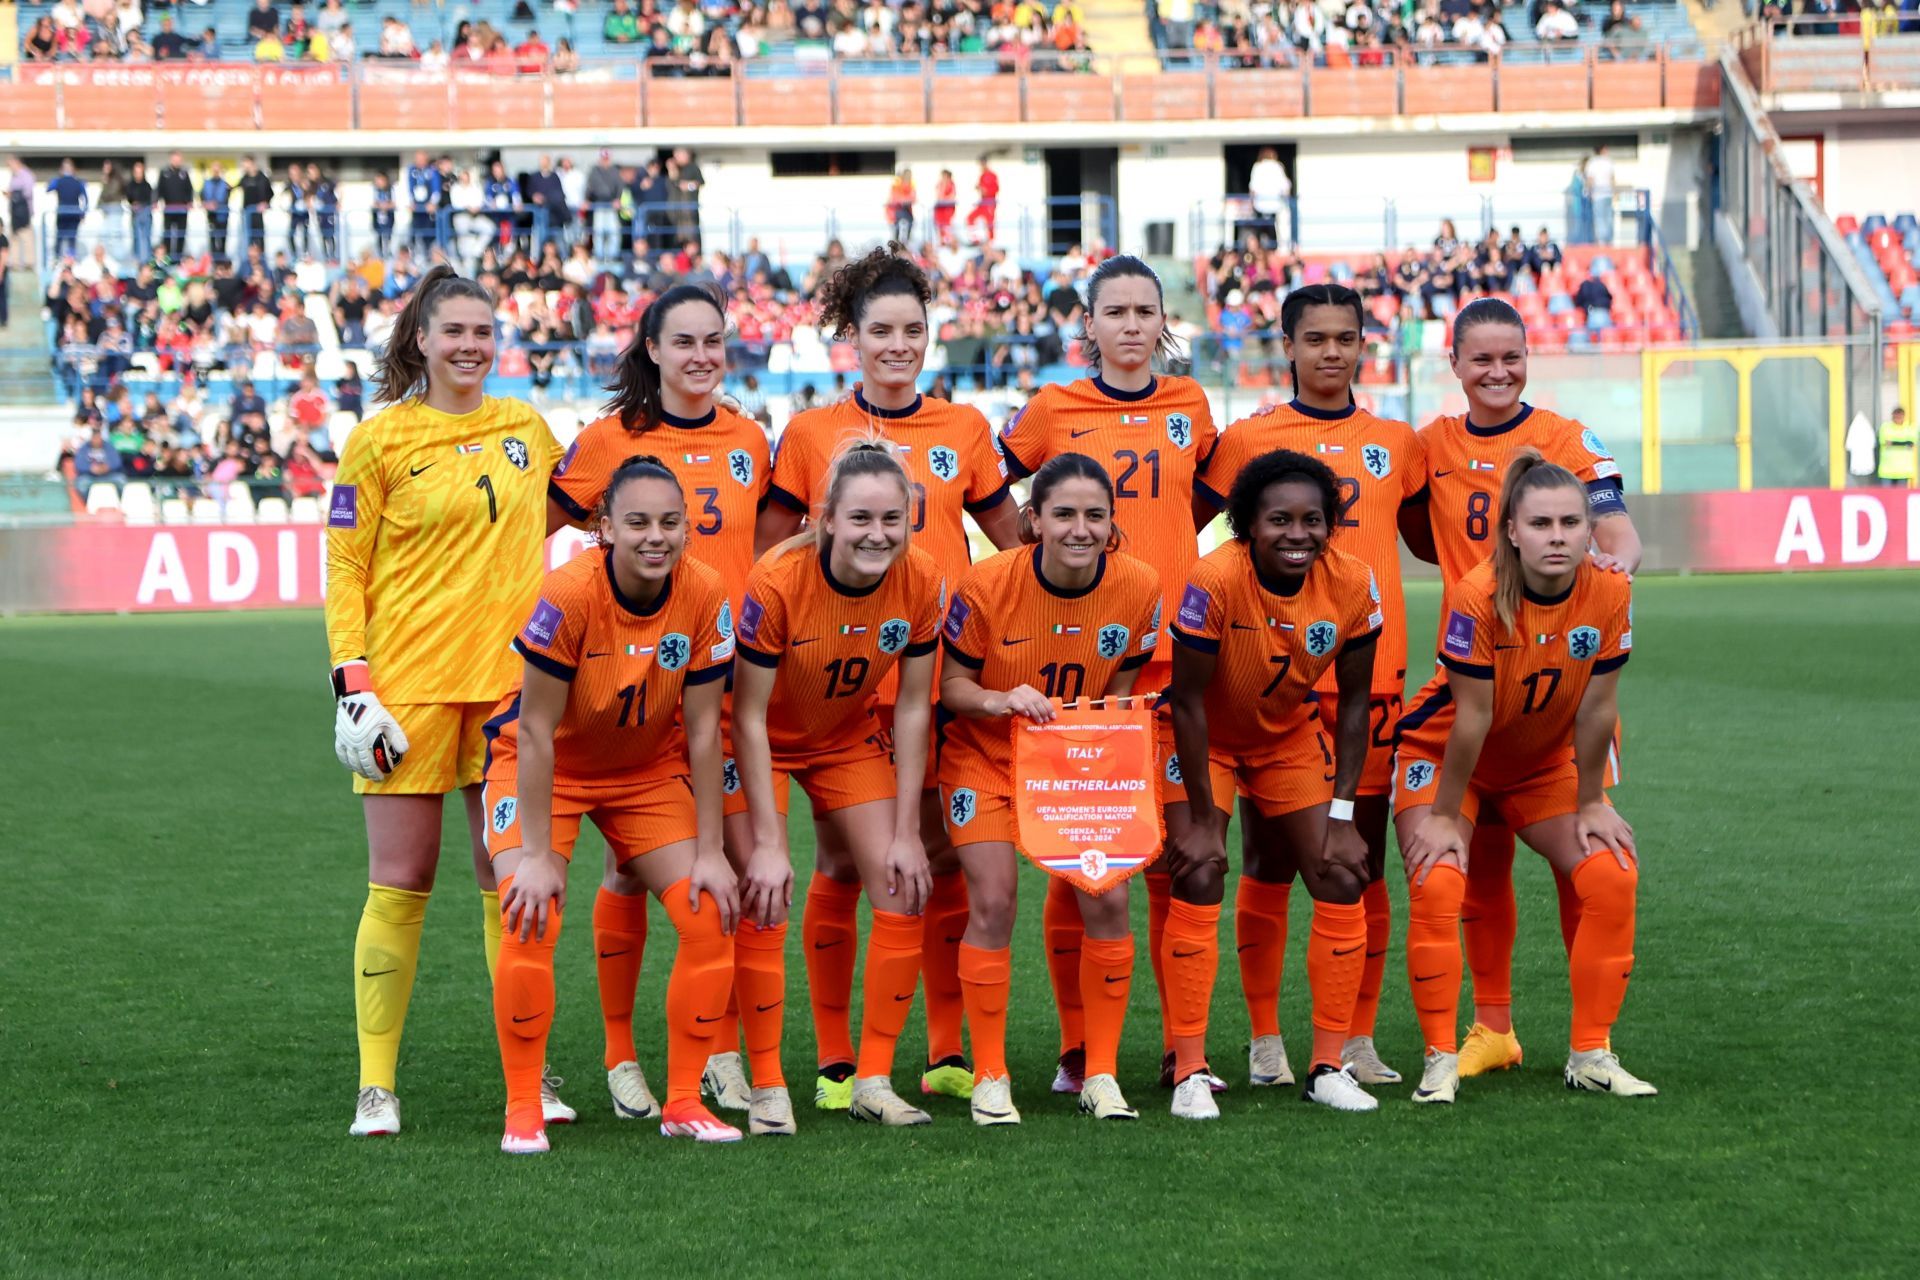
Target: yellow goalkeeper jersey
point(435, 530)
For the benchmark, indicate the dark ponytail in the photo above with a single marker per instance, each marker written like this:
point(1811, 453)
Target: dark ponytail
point(1526, 472)
point(636, 379)
point(401, 373)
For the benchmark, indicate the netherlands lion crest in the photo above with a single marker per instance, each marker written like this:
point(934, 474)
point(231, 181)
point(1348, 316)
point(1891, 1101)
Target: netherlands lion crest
point(1377, 459)
point(1113, 640)
point(1321, 637)
point(943, 462)
point(740, 466)
point(1180, 430)
point(516, 450)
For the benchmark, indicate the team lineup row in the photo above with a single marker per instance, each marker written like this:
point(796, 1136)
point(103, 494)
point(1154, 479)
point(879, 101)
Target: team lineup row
point(751, 620)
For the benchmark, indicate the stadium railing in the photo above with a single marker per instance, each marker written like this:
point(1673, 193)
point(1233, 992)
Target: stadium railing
point(1831, 54)
point(950, 89)
point(1793, 276)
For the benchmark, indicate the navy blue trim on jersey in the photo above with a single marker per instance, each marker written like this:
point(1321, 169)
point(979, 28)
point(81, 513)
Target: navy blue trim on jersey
point(565, 501)
point(627, 602)
point(1205, 490)
point(1474, 669)
point(989, 502)
point(552, 666)
point(711, 674)
point(907, 412)
point(922, 649)
point(688, 424)
point(1441, 697)
point(1068, 593)
point(1127, 397)
point(758, 657)
point(1364, 640)
point(1526, 411)
point(491, 730)
point(776, 494)
point(1019, 469)
point(1614, 663)
point(1534, 597)
point(1604, 497)
point(1323, 415)
point(956, 654)
point(826, 571)
point(1286, 588)
point(1199, 644)
point(1136, 661)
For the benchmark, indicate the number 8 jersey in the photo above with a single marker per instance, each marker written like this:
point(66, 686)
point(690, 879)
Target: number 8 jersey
point(1009, 626)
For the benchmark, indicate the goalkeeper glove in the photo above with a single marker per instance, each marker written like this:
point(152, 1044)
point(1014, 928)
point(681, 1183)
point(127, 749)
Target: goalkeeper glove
point(366, 737)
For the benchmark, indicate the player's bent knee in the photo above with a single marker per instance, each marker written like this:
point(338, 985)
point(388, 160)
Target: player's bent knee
point(1203, 885)
point(1336, 885)
point(1604, 885)
point(523, 987)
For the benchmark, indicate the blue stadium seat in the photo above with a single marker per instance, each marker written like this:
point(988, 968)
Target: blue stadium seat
point(1599, 318)
point(1873, 222)
point(1559, 304)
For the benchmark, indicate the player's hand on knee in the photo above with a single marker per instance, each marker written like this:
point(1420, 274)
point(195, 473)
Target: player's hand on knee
point(1600, 826)
point(1436, 839)
point(538, 892)
point(1343, 855)
point(768, 885)
point(909, 877)
point(1198, 846)
point(712, 876)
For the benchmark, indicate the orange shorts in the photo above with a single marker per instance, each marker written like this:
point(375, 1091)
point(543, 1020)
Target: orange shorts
point(446, 749)
point(1513, 801)
point(838, 778)
point(1383, 714)
point(635, 817)
point(977, 817)
point(1297, 775)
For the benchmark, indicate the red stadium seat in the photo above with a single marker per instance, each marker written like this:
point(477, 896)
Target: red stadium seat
point(1846, 224)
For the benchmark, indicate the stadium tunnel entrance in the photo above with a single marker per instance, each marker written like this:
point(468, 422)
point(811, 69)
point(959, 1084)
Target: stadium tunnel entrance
point(1081, 185)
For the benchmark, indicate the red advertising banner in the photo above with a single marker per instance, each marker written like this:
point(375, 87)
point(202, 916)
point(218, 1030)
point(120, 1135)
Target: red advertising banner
point(1798, 529)
point(107, 568)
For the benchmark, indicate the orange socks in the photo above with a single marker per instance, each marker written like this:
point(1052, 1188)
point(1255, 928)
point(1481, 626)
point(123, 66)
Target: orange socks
point(760, 991)
point(986, 977)
point(942, 925)
point(1602, 959)
point(1060, 922)
point(1159, 901)
point(1490, 922)
point(1433, 955)
point(523, 1017)
point(831, 937)
point(619, 942)
point(696, 992)
point(1260, 931)
point(1191, 962)
point(1379, 909)
point(1569, 901)
point(1106, 980)
point(893, 971)
point(726, 1036)
point(1336, 959)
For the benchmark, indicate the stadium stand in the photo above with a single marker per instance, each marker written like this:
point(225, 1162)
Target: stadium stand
point(1888, 252)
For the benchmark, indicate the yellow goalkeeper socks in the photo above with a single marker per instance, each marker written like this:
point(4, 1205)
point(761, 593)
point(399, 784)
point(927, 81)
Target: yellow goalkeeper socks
point(490, 929)
point(385, 954)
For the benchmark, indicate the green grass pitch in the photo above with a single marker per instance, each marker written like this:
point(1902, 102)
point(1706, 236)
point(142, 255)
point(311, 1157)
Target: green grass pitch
point(187, 869)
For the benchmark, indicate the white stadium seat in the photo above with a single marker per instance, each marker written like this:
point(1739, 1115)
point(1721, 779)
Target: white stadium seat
point(238, 506)
point(174, 511)
point(136, 502)
point(304, 511)
point(103, 497)
point(271, 511)
point(206, 511)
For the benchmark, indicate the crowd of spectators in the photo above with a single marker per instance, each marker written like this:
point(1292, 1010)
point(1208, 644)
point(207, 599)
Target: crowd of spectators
point(1867, 18)
point(1340, 33)
point(698, 37)
point(277, 312)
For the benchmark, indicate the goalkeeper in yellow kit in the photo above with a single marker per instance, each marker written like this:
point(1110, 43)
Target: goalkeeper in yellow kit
point(435, 529)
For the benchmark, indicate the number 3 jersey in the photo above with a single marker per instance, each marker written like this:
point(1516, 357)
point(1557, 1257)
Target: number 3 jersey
point(1272, 641)
point(1008, 626)
point(625, 664)
point(833, 643)
point(434, 533)
point(1540, 667)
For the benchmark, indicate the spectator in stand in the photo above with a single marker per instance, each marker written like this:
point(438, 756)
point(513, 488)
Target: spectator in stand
point(1621, 30)
point(1592, 295)
point(531, 54)
point(900, 199)
point(42, 43)
point(548, 198)
point(175, 193)
point(168, 44)
point(1543, 255)
point(1272, 192)
point(620, 25)
point(1556, 23)
point(97, 461)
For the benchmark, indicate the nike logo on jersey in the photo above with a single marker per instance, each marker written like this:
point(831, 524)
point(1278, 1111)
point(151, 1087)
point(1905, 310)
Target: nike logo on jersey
point(417, 470)
point(1075, 435)
point(1021, 640)
point(808, 640)
point(1498, 647)
point(606, 653)
point(1438, 474)
point(1241, 626)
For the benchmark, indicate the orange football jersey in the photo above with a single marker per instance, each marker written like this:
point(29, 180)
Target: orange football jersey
point(1271, 647)
point(1152, 443)
point(1540, 668)
point(625, 666)
point(720, 460)
point(947, 450)
point(1009, 626)
point(1467, 464)
point(1380, 463)
point(833, 644)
